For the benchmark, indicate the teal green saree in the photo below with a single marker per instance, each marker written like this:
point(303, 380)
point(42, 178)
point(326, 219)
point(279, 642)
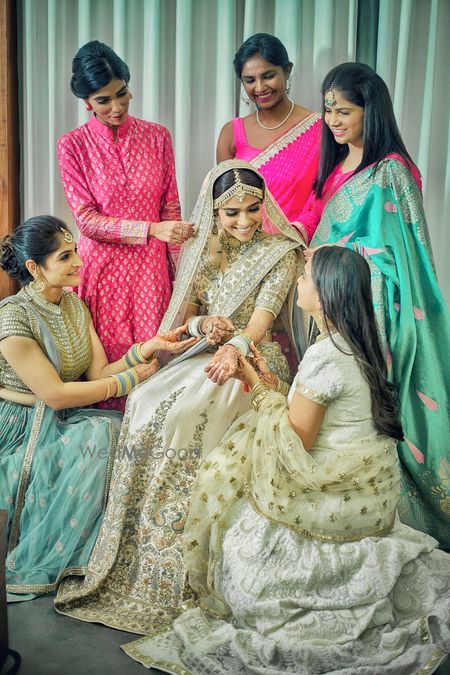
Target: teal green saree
point(380, 213)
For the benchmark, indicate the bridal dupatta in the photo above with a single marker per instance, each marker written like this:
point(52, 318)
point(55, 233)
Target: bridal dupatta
point(380, 213)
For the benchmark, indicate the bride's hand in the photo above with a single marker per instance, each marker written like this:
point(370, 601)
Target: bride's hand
point(223, 364)
point(217, 329)
point(168, 342)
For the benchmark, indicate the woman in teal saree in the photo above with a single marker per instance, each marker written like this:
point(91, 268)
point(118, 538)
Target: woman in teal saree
point(55, 453)
point(368, 197)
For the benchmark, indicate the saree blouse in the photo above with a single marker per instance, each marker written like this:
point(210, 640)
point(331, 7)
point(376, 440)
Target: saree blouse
point(68, 324)
point(269, 295)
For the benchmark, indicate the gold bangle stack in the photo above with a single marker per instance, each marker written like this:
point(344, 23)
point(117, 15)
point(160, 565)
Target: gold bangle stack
point(258, 394)
point(125, 382)
point(282, 387)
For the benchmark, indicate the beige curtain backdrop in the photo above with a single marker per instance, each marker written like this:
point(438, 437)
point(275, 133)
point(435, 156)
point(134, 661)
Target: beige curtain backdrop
point(180, 56)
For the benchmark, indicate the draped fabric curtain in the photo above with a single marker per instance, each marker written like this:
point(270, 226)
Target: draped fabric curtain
point(180, 56)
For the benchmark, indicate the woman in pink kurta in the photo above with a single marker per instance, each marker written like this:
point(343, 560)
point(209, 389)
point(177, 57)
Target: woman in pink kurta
point(119, 178)
point(281, 139)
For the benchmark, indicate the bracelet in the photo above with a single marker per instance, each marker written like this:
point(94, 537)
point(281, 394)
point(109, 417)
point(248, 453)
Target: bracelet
point(134, 355)
point(125, 381)
point(258, 394)
point(282, 387)
point(241, 342)
point(108, 390)
point(193, 326)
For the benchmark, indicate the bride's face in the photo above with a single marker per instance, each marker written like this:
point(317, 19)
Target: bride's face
point(240, 219)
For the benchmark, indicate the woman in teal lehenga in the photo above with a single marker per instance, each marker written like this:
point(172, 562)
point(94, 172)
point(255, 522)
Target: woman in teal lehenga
point(373, 203)
point(55, 457)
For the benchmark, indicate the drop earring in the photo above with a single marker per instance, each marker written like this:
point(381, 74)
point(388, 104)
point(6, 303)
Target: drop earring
point(287, 86)
point(245, 100)
point(38, 284)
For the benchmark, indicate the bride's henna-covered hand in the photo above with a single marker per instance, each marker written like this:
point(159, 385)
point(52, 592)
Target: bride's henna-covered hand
point(223, 364)
point(217, 329)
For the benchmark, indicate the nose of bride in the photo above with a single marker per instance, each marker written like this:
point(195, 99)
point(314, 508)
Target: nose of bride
point(243, 219)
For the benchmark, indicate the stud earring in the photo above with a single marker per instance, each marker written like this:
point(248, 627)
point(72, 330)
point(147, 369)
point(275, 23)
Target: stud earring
point(88, 107)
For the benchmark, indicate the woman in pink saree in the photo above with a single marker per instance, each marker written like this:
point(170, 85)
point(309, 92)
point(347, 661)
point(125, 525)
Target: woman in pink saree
point(281, 139)
point(118, 174)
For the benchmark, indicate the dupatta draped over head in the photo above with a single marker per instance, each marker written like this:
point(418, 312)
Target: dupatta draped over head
point(246, 273)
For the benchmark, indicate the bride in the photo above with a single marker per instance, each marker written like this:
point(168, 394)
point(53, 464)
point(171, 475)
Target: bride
point(232, 282)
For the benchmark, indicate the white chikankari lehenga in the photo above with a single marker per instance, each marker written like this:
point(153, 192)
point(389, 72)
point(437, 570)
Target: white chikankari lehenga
point(136, 579)
point(298, 559)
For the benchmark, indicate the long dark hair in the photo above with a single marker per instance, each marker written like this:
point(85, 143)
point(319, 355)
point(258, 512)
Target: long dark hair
point(228, 179)
point(34, 240)
point(342, 279)
point(94, 66)
point(268, 46)
point(361, 85)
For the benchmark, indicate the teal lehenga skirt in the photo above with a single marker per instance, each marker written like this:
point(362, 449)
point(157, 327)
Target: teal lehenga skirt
point(55, 469)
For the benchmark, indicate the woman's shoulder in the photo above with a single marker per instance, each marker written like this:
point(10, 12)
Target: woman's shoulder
point(153, 128)
point(14, 318)
point(74, 303)
point(73, 136)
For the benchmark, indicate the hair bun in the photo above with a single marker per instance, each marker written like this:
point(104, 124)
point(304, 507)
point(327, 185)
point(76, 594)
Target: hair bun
point(8, 257)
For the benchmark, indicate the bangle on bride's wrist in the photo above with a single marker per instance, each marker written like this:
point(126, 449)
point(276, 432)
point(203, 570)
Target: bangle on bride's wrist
point(241, 342)
point(125, 382)
point(193, 326)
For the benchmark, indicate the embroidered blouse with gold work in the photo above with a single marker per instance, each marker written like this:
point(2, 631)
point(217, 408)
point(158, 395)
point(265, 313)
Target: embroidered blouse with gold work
point(268, 295)
point(67, 322)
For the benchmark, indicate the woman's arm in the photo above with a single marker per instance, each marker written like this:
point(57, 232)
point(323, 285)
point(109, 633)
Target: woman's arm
point(305, 415)
point(306, 418)
point(225, 144)
point(28, 360)
point(111, 229)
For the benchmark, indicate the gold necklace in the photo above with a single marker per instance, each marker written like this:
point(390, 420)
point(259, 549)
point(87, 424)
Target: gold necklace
point(233, 248)
point(277, 126)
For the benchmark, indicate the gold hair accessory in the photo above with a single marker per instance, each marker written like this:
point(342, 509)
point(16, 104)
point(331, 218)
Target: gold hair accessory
point(68, 236)
point(330, 97)
point(238, 190)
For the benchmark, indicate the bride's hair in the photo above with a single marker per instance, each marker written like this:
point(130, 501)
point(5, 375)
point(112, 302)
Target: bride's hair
point(342, 279)
point(228, 179)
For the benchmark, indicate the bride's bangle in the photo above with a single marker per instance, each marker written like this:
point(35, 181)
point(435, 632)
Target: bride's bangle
point(241, 342)
point(193, 326)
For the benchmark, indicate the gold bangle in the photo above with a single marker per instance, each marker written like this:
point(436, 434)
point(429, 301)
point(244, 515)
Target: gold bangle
point(108, 392)
point(282, 387)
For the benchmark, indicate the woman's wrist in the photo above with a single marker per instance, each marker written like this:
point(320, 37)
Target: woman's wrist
point(194, 326)
point(135, 355)
point(258, 393)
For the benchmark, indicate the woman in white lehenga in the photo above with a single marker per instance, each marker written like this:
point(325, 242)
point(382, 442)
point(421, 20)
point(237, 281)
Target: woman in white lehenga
point(292, 542)
point(229, 288)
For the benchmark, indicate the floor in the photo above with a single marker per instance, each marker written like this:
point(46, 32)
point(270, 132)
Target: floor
point(52, 644)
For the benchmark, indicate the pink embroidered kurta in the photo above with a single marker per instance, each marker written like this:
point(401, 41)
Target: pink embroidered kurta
point(289, 164)
point(115, 190)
